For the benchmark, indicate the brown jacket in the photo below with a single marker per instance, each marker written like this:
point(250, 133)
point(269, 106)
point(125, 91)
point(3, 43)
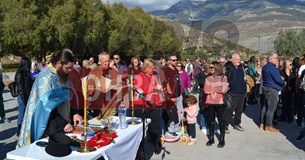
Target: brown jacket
point(97, 84)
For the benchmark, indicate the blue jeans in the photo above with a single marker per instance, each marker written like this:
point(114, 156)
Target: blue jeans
point(269, 108)
point(201, 119)
point(179, 107)
point(21, 109)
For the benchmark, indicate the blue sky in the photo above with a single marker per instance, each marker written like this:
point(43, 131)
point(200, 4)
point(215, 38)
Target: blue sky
point(147, 5)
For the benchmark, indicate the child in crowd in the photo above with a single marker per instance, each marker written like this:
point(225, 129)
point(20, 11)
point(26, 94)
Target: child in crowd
point(191, 117)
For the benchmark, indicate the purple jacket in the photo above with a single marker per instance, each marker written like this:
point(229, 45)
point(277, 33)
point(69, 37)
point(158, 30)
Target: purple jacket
point(185, 81)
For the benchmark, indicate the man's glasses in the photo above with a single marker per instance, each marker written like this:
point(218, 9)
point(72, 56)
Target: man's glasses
point(212, 67)
point(173, 60)
point(116, 58)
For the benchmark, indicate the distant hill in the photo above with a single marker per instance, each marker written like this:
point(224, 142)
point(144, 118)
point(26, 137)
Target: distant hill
point(256, 20)
point(196, 40)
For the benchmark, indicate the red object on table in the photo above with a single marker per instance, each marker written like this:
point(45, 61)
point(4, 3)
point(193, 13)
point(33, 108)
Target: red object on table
point(101, 139)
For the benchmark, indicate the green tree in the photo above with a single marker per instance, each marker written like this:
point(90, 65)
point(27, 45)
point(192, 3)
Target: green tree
point(302, 42)
point(288, 43)
point(19, 26)
point(37, 27)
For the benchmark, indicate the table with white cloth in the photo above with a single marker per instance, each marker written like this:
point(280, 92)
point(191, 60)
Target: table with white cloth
point(125, 147)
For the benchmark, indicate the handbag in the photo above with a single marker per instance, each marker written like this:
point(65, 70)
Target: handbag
point(13, 89)
point(228, 100)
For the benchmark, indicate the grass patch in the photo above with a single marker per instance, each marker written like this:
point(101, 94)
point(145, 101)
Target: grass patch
point(9, 67)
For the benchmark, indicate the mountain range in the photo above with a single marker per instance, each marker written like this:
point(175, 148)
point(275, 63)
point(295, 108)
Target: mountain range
point(257, 21)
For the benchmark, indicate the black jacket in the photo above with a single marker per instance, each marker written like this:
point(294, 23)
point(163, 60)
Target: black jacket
point(24, 84)
point(236, 78)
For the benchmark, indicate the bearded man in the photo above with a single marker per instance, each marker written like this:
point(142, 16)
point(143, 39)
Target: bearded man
point(48, 108)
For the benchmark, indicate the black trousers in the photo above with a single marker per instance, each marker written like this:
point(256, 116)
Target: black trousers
point(298, 106)
point(237, 107)
point(192, 130)
point(153, 128)
point(219, 110)
point(153, 114)
point(287, 101)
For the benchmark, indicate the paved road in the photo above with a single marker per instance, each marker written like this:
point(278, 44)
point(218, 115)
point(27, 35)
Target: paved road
point(252, 144)
point(9, 76)
point(8, 131)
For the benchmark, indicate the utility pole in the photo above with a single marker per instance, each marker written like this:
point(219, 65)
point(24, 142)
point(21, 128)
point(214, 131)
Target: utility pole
point(259, 45)
point(268, 41)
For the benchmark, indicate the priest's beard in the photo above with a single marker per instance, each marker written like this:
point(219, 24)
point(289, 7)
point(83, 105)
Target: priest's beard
point(63, 77)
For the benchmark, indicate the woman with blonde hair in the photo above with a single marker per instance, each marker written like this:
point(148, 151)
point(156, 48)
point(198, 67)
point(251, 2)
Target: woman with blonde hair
point(147, 81)
point(287, 92)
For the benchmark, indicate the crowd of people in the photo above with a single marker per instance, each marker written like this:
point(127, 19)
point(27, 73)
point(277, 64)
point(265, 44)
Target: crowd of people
point(224, 87)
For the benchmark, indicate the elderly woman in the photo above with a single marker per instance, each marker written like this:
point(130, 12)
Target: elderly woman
point(148, 82)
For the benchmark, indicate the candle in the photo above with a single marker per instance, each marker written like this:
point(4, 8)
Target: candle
point(85, 104)
point(131, 83)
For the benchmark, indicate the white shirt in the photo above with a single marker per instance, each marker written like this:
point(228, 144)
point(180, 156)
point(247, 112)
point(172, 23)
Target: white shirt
point(190, 65)
point(302, 68)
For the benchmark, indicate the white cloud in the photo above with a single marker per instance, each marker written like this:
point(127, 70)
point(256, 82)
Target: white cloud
point(147, 5)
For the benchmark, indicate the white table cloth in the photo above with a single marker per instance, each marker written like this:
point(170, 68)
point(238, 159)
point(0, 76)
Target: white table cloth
point(125, 147)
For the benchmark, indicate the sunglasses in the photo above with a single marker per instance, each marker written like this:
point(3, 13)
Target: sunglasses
point(116, 58)
point(173, 60)
point(212, 67)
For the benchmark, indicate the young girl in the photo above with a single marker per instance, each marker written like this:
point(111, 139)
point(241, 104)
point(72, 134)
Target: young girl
point(191, 117)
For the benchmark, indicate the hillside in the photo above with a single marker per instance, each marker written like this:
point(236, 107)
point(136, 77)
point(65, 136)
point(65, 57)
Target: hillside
point(194, 39)
point(253, 18)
